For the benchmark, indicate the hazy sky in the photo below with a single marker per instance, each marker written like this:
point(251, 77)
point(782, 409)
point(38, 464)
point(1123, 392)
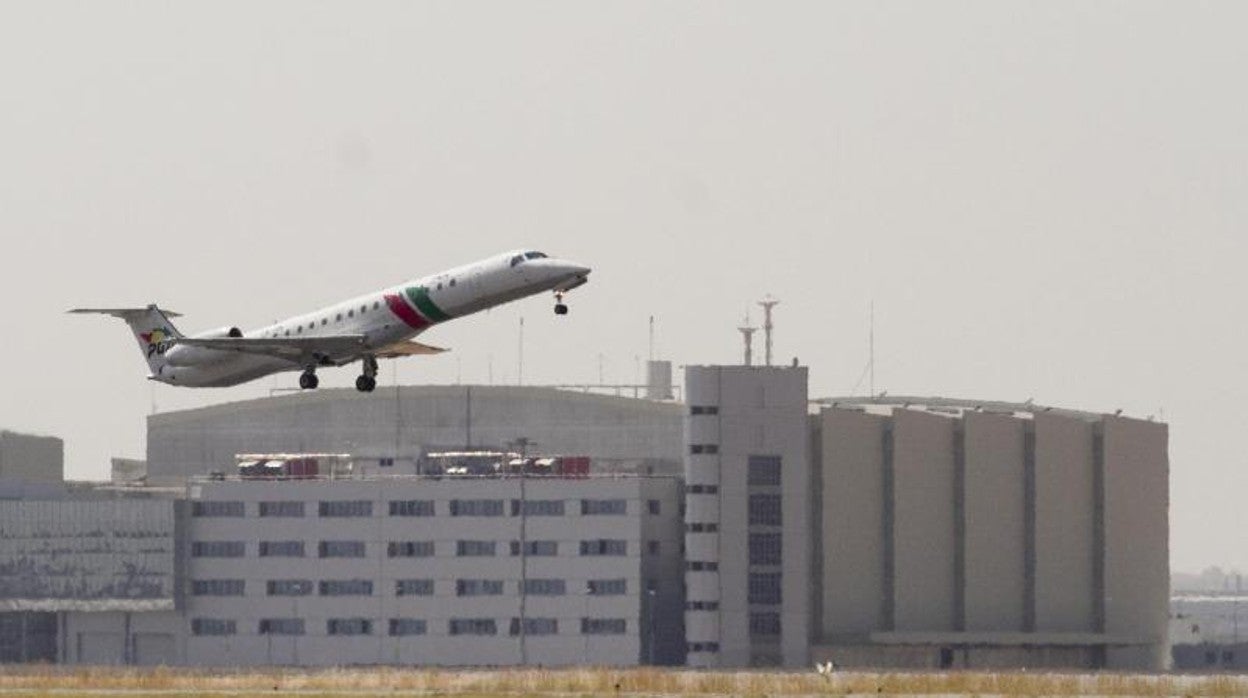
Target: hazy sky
point(1044, 199)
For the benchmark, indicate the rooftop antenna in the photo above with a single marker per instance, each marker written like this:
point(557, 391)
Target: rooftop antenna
point(652, 338)
point(747, 335)
point(768, 303)
point(871, 348)
point(520, 351)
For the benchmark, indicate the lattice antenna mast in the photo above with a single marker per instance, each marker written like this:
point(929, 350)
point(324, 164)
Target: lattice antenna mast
point(767, 303)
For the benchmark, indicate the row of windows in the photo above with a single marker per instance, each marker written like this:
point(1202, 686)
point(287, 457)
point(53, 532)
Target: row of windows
point(703, 409)
point(338, 317)
point(764, 624)
point(394, 549)
point(418, 507)
point(702, 647)
point(703, 448)
point(765, 510)
point(702, 527)
point(410, 626)
point(765, 549)
point(702, 489)
point(701, 605)
point(696, 566)
point(763, 471)
point(764, 588)
point(403, 587)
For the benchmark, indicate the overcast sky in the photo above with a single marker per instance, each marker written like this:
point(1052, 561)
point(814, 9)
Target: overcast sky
point(1044, 200)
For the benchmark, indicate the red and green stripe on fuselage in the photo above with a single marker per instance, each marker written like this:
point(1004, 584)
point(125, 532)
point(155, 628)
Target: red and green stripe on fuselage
point(414, 307)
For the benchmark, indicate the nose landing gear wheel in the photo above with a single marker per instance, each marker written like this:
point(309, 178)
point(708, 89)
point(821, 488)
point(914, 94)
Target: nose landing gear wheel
point(308, 380)
point(365, 384)
point(561, 309)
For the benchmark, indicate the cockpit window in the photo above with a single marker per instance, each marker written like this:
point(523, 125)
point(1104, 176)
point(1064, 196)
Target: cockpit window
point(534, 255)
point(517, 259)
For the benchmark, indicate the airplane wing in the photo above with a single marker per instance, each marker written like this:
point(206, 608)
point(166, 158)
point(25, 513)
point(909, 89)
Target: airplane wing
point(399, 349)
point(291, 348)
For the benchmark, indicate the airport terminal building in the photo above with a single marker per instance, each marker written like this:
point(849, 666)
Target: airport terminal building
point(748, 525)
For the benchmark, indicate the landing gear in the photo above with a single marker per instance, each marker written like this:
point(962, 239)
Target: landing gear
point(308, 380)
point(560, 307)
point(368, 380)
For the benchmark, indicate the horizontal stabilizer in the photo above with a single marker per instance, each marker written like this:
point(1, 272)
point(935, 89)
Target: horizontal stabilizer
point(124, 313)
point(399, 349)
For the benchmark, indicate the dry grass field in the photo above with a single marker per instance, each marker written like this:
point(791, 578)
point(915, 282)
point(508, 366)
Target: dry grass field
point(24, 681)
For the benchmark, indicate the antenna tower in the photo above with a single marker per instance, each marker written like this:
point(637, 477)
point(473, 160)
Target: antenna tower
point(747, 335)
point(767, 303)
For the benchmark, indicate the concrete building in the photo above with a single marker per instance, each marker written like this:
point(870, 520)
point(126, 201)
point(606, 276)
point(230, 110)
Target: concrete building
point(31, 458)
point(435, 571)
point(748, 517)
point(971, 534)
point(388, 433)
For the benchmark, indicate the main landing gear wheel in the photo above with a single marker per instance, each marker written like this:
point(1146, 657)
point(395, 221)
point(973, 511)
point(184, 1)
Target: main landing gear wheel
point(560, 307)
point(368, 380)
point(308, 380)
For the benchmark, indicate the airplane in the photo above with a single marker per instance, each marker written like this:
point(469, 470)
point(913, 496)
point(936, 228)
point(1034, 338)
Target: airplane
point(366, 328)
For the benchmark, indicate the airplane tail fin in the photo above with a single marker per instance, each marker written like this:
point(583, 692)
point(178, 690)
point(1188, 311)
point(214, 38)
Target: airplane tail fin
point(151, 327)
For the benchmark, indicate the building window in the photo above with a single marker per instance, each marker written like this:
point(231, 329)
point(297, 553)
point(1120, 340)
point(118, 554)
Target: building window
point(607, 587)
point(604, 546)
point(474, 548)
point(213, 626)
point(701, 605)
point(699, 566)
point(765, 549)
point(704, 449)
point(281, 626)
point(764, 471)
point(213, 508)
point(400, 627)
point(472, 626)
point(340, 548)
point(346, 587)
point(603, 626)
point(413, 587)
point(476, 507)
point(652, 547)
point(535, 626)
point(703, 409)
point(702, 527)
point(281, 548)
point(412, 507)
point(291, 509)
point(218, 548)
point(347, 507)
point(654, 506)
point(604, 507)
point(702, 647)
point(478, 587)
point(762, 624)
point(702, 489)
point(538, 507)
point(349, 626)
point(544, 587)
point(409, 548)
point(217, 587)
point(289, 587)
point(541, 548)
point(764, 588)
point(387, 463)
point(764, 510)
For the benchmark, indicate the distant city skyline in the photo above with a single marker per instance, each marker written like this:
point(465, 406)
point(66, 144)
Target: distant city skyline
point(1042, 200)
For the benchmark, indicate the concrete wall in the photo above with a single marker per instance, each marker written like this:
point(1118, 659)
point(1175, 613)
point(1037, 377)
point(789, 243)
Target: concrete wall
point(994, 522)
point(924, 555)
point(121, 638)
point(1137, 524)
point(1066, 596)
point(32, 458)
point(610, 428)
point(853, 523)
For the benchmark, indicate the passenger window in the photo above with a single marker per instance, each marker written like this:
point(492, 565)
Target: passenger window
point(452, 282)
point(376, 305)
point(299, 329)
point(339, 318)
point(351, 312)
point(363, 308)
point(439, 285)
point(324, 321)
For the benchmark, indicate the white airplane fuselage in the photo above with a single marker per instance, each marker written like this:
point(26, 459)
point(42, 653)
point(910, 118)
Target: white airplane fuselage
point(375, 321)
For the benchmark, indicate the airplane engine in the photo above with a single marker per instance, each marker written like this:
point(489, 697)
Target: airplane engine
point(220, 333)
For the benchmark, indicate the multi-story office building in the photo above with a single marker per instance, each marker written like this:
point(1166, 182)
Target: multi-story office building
point(451, 571)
